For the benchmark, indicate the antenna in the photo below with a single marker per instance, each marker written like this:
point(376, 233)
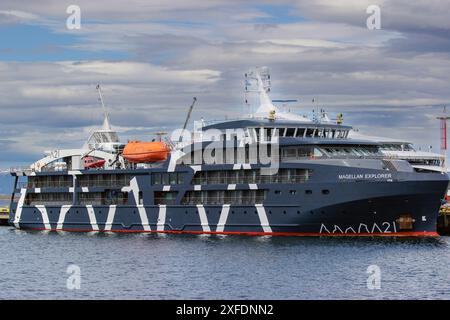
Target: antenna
point(443, 119)
point(106, 124)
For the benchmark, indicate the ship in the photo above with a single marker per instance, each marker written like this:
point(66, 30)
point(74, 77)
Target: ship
point(270, 173)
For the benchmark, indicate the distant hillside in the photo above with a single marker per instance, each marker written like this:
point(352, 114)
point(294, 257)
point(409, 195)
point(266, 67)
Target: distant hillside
point(6, 183)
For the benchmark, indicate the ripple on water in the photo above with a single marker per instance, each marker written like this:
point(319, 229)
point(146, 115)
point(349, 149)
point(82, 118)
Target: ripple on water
point(168, 266)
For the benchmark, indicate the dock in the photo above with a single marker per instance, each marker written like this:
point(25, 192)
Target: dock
point(4, 216)
point(443, 226)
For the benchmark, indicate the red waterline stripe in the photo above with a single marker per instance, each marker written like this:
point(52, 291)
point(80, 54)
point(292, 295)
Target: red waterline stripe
point(250, 233)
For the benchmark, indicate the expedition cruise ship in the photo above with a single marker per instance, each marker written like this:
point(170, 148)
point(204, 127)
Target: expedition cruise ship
point(271, 173)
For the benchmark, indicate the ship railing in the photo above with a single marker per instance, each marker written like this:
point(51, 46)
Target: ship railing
point(97, 201)
point(251, 180)
point(105, 183)
point(215, 121)
point(312, 157)
point(34, 184)
point(69, 184)
point(21, 170)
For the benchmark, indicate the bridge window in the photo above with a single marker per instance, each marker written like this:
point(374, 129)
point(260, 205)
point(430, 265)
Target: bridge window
point(300, 132)
point(290, 132)
point(310, 132)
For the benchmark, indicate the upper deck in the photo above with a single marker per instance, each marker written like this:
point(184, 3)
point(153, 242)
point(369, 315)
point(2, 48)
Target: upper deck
point(285, 128)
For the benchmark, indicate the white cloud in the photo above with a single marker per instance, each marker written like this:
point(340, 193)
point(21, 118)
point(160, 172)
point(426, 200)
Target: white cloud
point(180, 49)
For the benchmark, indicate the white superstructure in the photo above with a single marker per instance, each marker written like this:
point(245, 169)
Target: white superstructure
point(403, 150)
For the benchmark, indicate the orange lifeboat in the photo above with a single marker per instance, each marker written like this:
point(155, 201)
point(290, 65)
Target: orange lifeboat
point(139, 151)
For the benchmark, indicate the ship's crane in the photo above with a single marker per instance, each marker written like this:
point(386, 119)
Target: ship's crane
point(187, 118)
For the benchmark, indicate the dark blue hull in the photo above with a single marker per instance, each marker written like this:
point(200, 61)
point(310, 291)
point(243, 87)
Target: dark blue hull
point(359, 208)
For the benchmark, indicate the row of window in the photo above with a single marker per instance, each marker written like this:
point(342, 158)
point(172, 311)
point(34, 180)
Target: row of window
point(167, 178)
point(219, 197)
point(330, 133)
point(397, 147)
point(110, 197)
point(114, 197)
point(86, 180)
point(253, 176)
point(50, 181)
point(103, 180)
point(56, 199)
point(292, 153)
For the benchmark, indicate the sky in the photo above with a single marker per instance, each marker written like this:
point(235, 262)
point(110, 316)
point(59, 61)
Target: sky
point(151, 57)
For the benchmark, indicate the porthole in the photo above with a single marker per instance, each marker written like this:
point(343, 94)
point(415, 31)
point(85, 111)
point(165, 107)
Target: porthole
point(308, 191)
point(325, 191)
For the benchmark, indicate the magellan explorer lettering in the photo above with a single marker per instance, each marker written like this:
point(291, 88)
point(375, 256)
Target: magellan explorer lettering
point(366, 176)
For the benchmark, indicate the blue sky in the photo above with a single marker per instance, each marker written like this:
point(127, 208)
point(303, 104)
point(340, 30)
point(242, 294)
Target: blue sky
point(21, 42)
point(37, 42)
point(152, 57)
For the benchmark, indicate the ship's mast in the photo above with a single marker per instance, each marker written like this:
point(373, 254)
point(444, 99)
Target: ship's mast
point(257, 80)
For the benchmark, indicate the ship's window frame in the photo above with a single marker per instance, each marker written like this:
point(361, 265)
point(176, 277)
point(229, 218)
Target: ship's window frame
point(309, 132)
point(165, 179)
point(160, 199)
point(156, 178)
point(141, 198)
point(290, 132)
point(300, 132)
point(172, 178)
